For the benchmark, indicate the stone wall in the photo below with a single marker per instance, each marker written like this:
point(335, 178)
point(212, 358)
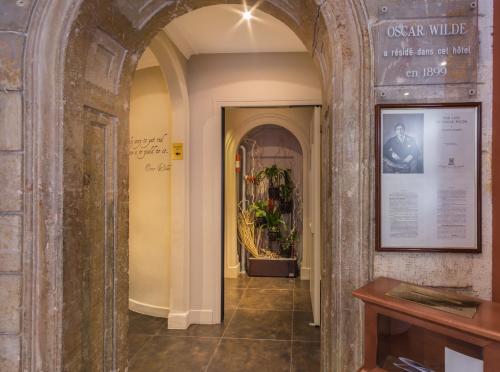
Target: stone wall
point(109, 36)
point(470, 273)
point(15, 255)
point(77, 68)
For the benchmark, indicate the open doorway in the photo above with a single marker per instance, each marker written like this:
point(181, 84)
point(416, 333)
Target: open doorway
point(260, 76)
point(271, 212)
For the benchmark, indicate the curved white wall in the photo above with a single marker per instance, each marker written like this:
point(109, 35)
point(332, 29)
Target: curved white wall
point(150, 194)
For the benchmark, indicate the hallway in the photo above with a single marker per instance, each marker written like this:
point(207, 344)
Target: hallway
point(266, 328)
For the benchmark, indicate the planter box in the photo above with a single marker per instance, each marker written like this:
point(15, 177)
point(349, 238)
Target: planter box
point(277, 267)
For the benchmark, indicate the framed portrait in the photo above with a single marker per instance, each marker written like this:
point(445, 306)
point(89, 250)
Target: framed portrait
point(428, 177)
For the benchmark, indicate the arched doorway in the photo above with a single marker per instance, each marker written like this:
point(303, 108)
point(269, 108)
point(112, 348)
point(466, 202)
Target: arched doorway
point(79, 159)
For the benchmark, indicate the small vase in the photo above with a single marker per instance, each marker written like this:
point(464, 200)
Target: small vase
point(286, 253)
point(286, 206)
point(274, 193)
point(272, 236)
point(259, 221)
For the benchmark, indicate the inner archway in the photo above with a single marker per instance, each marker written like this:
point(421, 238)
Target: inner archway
point(111, 36)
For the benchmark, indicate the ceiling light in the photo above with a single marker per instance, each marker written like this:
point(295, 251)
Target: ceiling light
point(247, 15)
point(406, 93)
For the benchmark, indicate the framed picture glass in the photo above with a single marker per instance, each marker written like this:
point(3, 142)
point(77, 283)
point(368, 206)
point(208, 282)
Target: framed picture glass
point(429, 177)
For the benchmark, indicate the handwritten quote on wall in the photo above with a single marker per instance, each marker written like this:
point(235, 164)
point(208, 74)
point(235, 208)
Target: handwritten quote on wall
point(154, 151)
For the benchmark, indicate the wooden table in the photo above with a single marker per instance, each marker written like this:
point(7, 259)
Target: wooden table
point(428, 330)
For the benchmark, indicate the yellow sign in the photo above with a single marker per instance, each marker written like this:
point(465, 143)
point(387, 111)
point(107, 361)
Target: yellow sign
point(177, 151)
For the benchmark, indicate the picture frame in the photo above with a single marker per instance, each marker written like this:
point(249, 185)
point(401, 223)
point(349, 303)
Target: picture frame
point(428, 177)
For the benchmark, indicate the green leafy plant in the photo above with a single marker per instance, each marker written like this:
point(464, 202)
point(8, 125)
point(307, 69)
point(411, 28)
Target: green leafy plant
point(286, 192)
point(259, 208)
point(287, 177)
point(272, 173)
point(287, 244)
point(274, 220)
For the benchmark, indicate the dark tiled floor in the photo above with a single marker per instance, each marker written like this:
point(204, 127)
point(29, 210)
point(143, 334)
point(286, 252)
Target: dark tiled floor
point(266, 329)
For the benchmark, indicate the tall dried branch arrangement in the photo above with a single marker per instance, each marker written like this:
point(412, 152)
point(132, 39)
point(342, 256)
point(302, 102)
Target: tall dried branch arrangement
point(246, 232)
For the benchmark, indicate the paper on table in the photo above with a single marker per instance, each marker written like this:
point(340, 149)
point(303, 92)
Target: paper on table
point(457, 362)
point(439, 300)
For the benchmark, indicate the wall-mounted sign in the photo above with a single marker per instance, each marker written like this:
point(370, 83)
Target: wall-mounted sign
point(430, 49)
point(177, 151)
point(428, 178)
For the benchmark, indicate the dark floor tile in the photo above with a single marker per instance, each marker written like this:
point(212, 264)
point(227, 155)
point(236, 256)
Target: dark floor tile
point(200, 330)
point(145, 324)
point(228, 314)
point(232, 297)
point(239, 282)
point(302, 300)
point(267, 299)
point(306, 356)
point(132, 316)
point(302, 284)
point(251, 355)
point(301, 328)
point(260, 324)
point(135, 343)
point(271, 283)
point(174, 354)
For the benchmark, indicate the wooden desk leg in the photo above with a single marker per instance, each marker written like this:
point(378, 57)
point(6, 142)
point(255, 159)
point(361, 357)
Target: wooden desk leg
point(371, 337)
point(491, 357)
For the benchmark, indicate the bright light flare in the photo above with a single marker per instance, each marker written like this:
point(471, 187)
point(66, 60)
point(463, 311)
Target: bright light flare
point(247, 15)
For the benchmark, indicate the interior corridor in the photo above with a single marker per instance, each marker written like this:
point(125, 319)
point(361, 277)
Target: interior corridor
point(266, 328)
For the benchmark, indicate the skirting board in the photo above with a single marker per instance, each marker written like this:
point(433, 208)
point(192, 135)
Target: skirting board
point(148, 309)
point(178, 320)
point(184, 320)
point(305, 273)
point(232, 272)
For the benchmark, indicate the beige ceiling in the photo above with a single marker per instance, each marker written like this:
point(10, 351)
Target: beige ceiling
point(221, 29)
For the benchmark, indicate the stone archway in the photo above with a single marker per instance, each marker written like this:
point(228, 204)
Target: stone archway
point(79, 59)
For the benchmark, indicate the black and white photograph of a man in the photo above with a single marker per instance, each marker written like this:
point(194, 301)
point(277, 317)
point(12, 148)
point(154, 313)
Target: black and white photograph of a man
point(402, 139)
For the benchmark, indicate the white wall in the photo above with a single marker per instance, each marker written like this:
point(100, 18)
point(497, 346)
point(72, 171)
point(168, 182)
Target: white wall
point(270, 79)
point(150, 190)
point(173, 67)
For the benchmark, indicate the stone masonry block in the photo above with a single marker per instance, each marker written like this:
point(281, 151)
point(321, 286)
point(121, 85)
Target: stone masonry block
point(10, 303)
point(105, 62)
point(11, 123)
point(10, 353)
point(10, 182)
point(14, 14)
point(11, 59)
point(139, 12)
point(10, 243)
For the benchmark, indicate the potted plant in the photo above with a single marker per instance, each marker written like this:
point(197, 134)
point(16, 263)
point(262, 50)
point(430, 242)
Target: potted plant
point(287, 245)
point(259, 211)
point(273, 174)
point(286, 198)
point(273, 224)
point(286, 192)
